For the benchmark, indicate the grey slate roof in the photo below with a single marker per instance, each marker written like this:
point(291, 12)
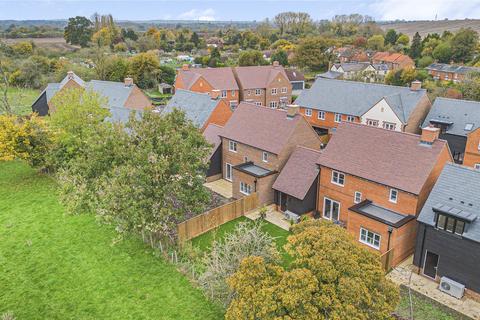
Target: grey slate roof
point(330, 75)
point(121, 114)
point(384, 215)
point(352, 66)
point(355, 98)
point(455, 185)
point(455, 112)
point(444, 67)
point(197, 106)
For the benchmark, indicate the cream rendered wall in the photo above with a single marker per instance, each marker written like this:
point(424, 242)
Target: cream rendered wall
point(383, 113)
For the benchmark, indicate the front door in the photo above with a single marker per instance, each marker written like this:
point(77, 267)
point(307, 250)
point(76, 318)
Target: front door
point(430, 265)
point(283, 202)
point(228, 172)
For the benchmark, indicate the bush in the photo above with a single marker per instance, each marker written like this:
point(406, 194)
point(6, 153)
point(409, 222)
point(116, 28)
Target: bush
point(425, 61)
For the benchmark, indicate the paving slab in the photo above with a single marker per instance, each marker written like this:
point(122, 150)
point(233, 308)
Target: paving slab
point(273, 216)
point(220, 186)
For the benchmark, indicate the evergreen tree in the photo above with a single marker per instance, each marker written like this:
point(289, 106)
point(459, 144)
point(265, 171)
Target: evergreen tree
point(416, 47)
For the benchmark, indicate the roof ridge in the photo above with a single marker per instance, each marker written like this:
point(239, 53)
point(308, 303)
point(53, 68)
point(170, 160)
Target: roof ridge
point(309, 149)
point(369, 83)
point(459, 166)
point(453, 99)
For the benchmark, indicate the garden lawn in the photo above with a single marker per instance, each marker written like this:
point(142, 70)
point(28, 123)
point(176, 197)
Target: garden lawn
point(21, 99)
point(57, 266)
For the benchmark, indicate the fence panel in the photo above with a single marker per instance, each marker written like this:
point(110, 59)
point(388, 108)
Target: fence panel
point(209, 220)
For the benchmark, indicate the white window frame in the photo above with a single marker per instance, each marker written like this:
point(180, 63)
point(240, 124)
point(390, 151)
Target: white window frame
point(339, 174)
point(321, 115)
point(273, 104)
point(308, 112)
point(389, 126)
point(284, 90)
point(264, 156)
point(273, 91)
point(330, 217)
point(477, 166)
point(224, 94)
point(372, 123)
point(338, 117)
point(228, 172)
point(350, 118)
point(375, 237)
point(245, 188)
point(357, 197)
point(258, 92)
point(232, 146)
point(393, 191)
point(258, 103)
point(233, 104)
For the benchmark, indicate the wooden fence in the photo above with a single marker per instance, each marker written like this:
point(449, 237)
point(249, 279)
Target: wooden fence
point(387, 259)
point(209, 220)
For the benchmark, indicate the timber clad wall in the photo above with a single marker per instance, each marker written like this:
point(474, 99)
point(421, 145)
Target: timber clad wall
point(418, 115)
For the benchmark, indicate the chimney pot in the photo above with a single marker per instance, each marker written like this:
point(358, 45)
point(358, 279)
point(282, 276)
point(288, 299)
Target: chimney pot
point(416, 85)
point(185, 67)
point(128, 82)
point(429, 135)
point(70, 74)
point(276, 63)
point(215, 94)
point(292, 110)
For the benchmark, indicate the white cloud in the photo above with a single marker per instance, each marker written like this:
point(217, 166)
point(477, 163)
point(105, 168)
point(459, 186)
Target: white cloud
point(197, 14)
point(425, 9)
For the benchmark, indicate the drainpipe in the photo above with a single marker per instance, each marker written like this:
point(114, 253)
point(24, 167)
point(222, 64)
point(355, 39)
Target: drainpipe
point(390, 230)
point(255, 184)
point(423, 246)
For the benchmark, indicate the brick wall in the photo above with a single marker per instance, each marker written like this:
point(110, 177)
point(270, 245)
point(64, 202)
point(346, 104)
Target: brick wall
point(137, 100)
point(472, 154)
point(220, 114)
point(329, 121)
point(263, 186)
point(279, 82)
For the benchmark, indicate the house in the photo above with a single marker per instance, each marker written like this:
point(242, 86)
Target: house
point(350, 54)
point(330, 75)
point(264, 85)
point(202, 109)
point(329, 102)
point(256, 144)
point(165, 88)
point(122, 97)
point(393, 60)
point(206, 80)
point(449, 72)
point(297, 80)
point(361, 70)
point(459, 124)
point(374, 182)
point(448, 237)
point(212, 135)
point(296, 185)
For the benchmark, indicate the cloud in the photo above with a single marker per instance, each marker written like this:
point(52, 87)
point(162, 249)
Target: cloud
point(197, 14)
point(425, 9)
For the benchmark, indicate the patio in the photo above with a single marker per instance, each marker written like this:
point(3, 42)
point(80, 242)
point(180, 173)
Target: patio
point(221, 186)
point(273, 216)
point(403, 275)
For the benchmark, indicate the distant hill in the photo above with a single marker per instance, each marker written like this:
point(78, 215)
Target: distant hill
point(425, 27)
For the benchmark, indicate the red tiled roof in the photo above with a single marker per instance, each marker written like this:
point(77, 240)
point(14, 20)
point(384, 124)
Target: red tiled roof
point(260, 127)
point(219, 78)
point(391, 57)
point(387, 157)
point(254, 77)
point(299, 173)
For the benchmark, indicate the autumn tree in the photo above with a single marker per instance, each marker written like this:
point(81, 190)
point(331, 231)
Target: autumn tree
point(376, 42)
point(143, 67)
point(312, 53)
point(251, 58)
point(331, 277)
point(281, 56)
point(464, 44)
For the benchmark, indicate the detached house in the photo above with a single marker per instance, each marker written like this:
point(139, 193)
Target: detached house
point(329, 102)
point(449, 72)
point(448, 237)
point(374, 182)
point(459, 124)
point(363, 70)
point(256, 144)
point(202, 109)
point(393, 60)
point(214, 81)
point(264, 85)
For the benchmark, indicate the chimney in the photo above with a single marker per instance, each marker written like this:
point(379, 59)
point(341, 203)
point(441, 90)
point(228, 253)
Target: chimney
point(429, 135)
point(128, 82)
point(276, 64)
point(70, 75)
point(215, 94)
point(416, 85)
point(292, 110)
point(185, 67)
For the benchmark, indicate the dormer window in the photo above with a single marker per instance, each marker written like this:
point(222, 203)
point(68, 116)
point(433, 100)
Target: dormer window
point(450, 224)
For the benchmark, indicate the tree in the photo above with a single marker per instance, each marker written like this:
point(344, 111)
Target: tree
point(4, 85)
point(78, 31)
point(129, 34)
point(403, 39)
point(312, 53)
point(464, 43)
point(331, 277)
point(391, 37)
point(167, 74)
point(425, 61)
point(295, 23)
point(144, 69)
point(281, 56)
point(376, 42)
point(443, 52)
point(416, 47)
point(103, 37)
point(470, 86)
point(195, 39)
point(116, 68)
point(23, 48)
point(251, 58)
point(401, 77)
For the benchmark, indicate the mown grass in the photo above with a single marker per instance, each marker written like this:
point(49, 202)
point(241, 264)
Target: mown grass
point(21, 99)
point(57, 266)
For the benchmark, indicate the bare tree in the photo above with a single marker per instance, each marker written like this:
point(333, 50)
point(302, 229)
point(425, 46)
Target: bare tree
point(4, 86)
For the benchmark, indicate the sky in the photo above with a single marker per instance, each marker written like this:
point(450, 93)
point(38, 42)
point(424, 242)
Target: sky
point(246, 10)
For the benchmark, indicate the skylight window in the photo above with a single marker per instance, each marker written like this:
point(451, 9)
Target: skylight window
point(468, 126)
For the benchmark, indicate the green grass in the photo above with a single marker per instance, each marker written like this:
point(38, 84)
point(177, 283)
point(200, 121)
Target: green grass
point(21, 99)
point(57, 266)
point(424, 308)
point(205, 240)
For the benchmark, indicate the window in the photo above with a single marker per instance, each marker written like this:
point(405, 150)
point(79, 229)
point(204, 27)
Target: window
point(245, 159)
point(478, 146)
point(273, 104)
point(350, 118)
point(308, 112)
point(224, 93)
point(228, 171)
point(258, 92)
point(321, 115)
point(477, 166)
point(372, 123)
point(450, 224)
point(338, 117)
point(331, 209)
point(233, 104)
point(258, 103)
point(389, 126)
point(469, 127)
point(249, 92)
point(284, 90)
point(245, 188)
point(274, 91)
point(232, 146)
point(264, 156)
point(233, 93)
point(393, 195)
point(338, 178)
point(370, 238)
point(358, 197)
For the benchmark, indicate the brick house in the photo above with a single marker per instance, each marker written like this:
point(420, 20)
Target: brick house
point(375, 182)
point(212, 135)
point(459, 124)
point(122, 97)
point(202, 109)
point(264, 85)
point(393, 60)
point(329, 102)
point(449, 72)
point(208, 80)
point(256, 144)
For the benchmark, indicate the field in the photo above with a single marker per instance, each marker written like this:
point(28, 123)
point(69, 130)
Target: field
point(48, 43)
point(57, 266)
point(21, 99)
point(426, 27)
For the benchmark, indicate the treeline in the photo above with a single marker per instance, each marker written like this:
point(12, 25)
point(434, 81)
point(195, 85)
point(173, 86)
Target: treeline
point(15, 32)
